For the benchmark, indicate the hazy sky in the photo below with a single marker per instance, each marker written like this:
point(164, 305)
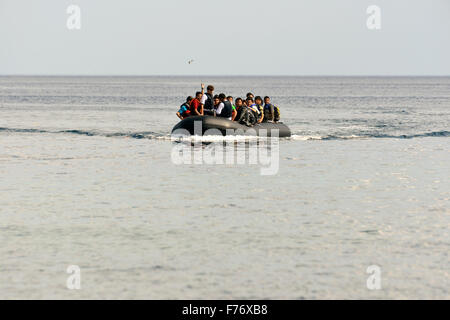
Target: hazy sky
point(225, 37)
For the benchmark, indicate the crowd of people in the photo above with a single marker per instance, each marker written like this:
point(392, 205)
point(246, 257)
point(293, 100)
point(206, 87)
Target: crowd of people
point(248, 111)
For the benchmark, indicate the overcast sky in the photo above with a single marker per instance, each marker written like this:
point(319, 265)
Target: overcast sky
point(225, 37)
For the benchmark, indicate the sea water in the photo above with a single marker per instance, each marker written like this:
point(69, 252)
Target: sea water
point(87, 179)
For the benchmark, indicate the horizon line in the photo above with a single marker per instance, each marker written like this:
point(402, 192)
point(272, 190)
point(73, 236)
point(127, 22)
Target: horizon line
point(211, 75)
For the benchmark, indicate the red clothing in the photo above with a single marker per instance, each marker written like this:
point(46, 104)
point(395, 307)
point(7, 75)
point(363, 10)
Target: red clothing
point(186, 114)
point(195, 104)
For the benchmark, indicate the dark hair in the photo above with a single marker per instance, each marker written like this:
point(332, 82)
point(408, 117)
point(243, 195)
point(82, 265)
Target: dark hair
point(216, 97)
point(222, 96)
point(189, 99)
point(266, 97)
point(197, 93)
point(258, 98)
point(250, 94)
point(249, 99)
point(229, 97)
point(210, 88)
point(238, 99)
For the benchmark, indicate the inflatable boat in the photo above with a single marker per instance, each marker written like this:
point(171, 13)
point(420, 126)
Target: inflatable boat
point(208, 125)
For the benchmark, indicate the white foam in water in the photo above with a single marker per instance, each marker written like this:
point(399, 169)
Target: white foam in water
point(217, 138)
point(305, 138)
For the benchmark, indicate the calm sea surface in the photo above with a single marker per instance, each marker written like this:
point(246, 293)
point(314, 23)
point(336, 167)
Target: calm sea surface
point(87, 179)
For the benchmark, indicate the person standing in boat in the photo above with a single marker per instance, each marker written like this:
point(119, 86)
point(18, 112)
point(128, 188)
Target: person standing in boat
point(224, 109)
point(196, 108)
point(207, 100)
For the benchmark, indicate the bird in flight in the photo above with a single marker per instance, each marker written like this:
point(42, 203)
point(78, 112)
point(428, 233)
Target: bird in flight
point(191, 61)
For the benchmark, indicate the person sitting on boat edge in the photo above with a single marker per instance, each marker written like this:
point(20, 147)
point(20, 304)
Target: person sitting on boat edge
point(259, 105)
point(216, 103)
point(239, 108)
point(224, 109)
point(196, 108)
point(234, 111)
point(184, 111)
point(271, 112)
point(250, 103)
point(248, 115)
point(207, 100)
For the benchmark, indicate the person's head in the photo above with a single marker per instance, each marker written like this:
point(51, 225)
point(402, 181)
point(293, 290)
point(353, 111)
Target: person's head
point(258, 100)
point(216, 100)
point(239, 102)
point(266, 100)
point(230, 98)
point(250, 95)
point(249, 101)
point(198, 95)
point(222, 97)
point(210, 89)
point(189, 99)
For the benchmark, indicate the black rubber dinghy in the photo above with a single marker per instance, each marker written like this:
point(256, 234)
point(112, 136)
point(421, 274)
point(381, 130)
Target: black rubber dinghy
point(215, 126)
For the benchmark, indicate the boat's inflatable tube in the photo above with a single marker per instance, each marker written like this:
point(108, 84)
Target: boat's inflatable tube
point(208, 125)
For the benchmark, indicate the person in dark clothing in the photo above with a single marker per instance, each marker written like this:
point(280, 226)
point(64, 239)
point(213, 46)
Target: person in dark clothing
point(225, 108)
point(239, 105)
point(248, 115)
point(208, 100)
point(259, 105)
point(271, 112)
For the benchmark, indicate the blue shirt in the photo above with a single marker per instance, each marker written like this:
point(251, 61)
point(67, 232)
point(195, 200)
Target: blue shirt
point(183, 109)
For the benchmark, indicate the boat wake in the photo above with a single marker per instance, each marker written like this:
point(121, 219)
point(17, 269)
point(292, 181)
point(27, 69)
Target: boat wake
point(150, 135)
point(93, 133)
point(300, 137)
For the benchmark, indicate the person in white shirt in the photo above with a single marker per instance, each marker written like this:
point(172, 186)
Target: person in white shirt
point(225, 108)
